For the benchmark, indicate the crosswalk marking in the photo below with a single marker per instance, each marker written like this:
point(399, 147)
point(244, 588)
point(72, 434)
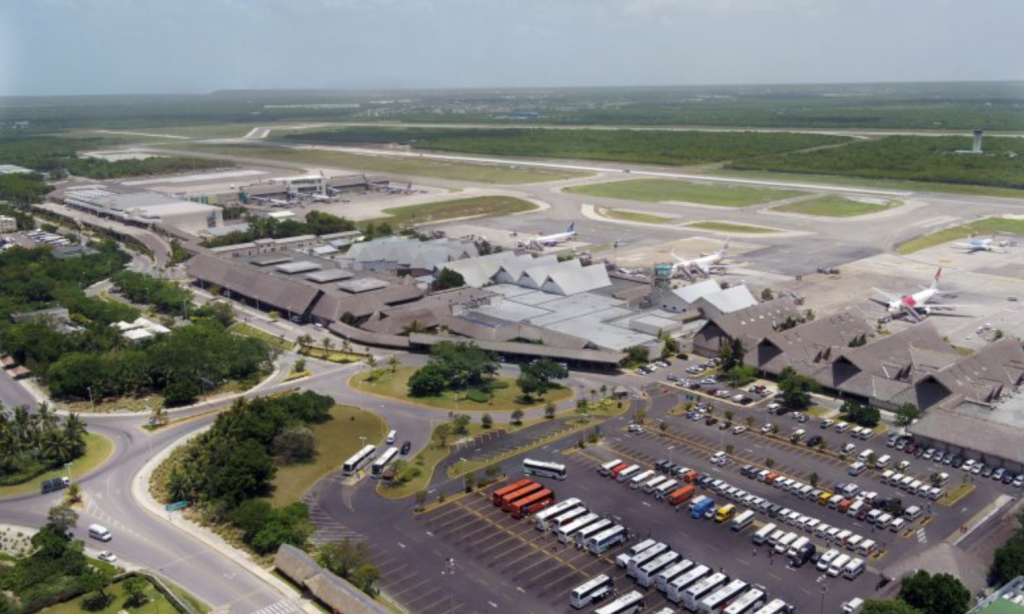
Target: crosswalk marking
point(285, 606)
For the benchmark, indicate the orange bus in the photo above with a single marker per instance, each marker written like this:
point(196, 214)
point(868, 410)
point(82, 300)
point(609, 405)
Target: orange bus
point(498, 497)
point(615, 470)
point(533, 503)
point(682, 495)
point(525, 491)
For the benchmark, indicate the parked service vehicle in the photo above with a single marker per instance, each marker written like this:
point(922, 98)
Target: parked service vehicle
point(100, 532)
point(53, 484)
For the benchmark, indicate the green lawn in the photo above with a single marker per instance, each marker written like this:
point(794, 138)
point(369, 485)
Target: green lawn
point(634, 216)
point(664, 190)
point(418, 167)
point(157, 603)
point(987, 226)
point(486, 206)
point(728, 227)
point(836, 206)
point(334, 355)
point(241, 328)
point(97, 450)
point(337, 439)
point(396, 386)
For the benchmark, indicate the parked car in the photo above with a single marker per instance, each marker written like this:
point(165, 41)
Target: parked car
point(766, 428)
point(107, 556)
point(406, 447)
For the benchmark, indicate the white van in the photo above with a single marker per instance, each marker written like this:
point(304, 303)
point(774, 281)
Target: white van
point(912, 513)
point(775, 537)
point(857, 468)
point(805, 490)
point(797, 435)
point(795, 547)
point(392, 437)
point(853, 569)
point(837, 565)
point(842, 536)
point(883, 521)
point(625, 473)
point(866, 547)
point(822, 530)
point(897, 525)
point(743, 520)
point(638, 480)
point(935, 493)
point(906, 482)
point(782, 546)
point(855, 509)
point(854, 542)
point(842, 427)
point(827, 558)
point(864, 454)
point(100, 532)
point(887, 475)
point(883, 462)
point(764, 533)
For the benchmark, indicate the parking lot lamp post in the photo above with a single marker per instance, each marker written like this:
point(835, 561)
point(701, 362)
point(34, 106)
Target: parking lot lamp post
point(67, 466)
point(670, 448)
point(823, 581)
point(449, 570)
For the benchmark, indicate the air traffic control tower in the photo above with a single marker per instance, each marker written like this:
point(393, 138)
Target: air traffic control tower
point(663, 276)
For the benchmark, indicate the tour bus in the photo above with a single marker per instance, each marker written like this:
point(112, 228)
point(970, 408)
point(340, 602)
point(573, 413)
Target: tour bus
point(568, 518)
point(591, 530)
point(566, 532)
point(776, 606)
point(682, 495)
point(638, 480)
point(498, 496)
point(607, 539)
point(696, 593)
point(646, 574)
point(716, 601)
point(532, 504)
point(544, 469)
point(382, 463)
point(638, 561)
point(606, 468)
point(630, 603)
point(525, 491)
point(590, 591)
point(623, 559)
point(725, 513)
point(764, 533)
point(748, 603)
point(677, 587)
point(543, 519)
point(624, 474)
point(654, 483)
point(665, 488)
point(743, 520)
point(360, 458)
point(670, 573)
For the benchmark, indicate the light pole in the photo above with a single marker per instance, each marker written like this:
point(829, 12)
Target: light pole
point(670, 448)
point(449, 570)
point(91, 401)
point(67, 466)
point(823, 581)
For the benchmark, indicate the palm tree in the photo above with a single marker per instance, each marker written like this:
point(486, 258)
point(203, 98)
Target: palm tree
point(58, 446)
point(813, 479)
point(729, 415)
point(74, 494)
point(749, 420)
point(305, 340)
point(346, 345)
point(328, 346)
point(393, 363)
point(769, 462)
point(371, 360)
point(604, 391)
point(158, 415)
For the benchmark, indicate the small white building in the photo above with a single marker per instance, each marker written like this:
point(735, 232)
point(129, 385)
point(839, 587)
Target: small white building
point(142, 329)
point(8, 224)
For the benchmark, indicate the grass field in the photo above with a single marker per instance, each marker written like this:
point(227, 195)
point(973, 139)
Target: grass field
point(451, 209)
point(987, 226)
point(334, 356)
point(336, 439)
point(157, 603)
point(836, 206)
point(634, 216)
point(97, 450)
point(396, 386)
point(728, 227)
point(457, 171)
point(241, 328)
point(667, 190)
point(889, 184)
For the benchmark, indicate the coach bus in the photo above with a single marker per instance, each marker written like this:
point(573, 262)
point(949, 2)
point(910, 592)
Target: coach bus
point(677, 587)
point(642, 558)
point(525, 491)
point(748, 603)
point(566, 532)
point(776, 606)
point(498, 496)
point(716, 601)
point(360, 458)
point(568, 518)
point(591, 591)
point(382, 463)
point(663, 579)
point(606, 468)
point(630, 603)
point(607, 539)
point(531, 504)
point(544, 518)
point(544, 469)
point(696, 593)
point(591, 530)
point(646, 574)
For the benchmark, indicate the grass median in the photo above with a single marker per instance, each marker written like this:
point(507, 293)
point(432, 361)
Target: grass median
point(987, 226)
point(480, 206)
point(633, 216)
point(729, 227)
point(97, 450)
point(247, 330)
point(837, 206)
point(667, 190)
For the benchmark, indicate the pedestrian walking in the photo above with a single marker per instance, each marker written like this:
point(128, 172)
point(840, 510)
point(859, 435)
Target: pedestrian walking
point(755, 551)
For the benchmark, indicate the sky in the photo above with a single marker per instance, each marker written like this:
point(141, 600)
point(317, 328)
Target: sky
point(60, 47)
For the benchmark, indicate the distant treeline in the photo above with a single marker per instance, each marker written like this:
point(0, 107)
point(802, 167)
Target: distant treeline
point(913, 158)
point(636, 146)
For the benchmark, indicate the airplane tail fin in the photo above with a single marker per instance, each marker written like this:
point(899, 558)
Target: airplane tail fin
point(725, 246)
point(935, 282)
point(572, 226)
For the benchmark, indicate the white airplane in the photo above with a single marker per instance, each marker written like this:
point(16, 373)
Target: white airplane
point(980, 245)
point(917, 304)
point(555, 239)
point(321, 198)
point(701, 266)
point(277, 202)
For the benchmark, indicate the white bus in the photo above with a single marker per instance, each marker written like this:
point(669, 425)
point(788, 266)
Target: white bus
point(590, 591)
point(607, 539)
point(638, 480)
point(623, 559)
point(625, 473)
point(591, 530)
point(382, 463)
point(696, 593)
point(630, 603)
point(646, 574)
point(644, 557)
point(566, 532)
point(740, 522)
point(544, 469)
point(764, 533)
point(568, 518)
point(544, 517)
point(677, 587)
point(775, 606)
point(747, 603)
point(654, 483)
point(716, 601)
point(360, 458)
point(665, 489)
point(662, 580)
point(606, 469)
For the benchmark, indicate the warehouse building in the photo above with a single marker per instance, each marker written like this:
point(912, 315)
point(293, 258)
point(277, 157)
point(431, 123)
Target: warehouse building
point(145, 209)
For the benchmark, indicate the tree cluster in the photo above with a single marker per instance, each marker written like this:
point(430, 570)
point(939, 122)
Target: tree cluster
point(731, 354)
point(316, 223)
point(33, 443)
point(536, 377)
point(454, 366)
point(164, 295)
point(448, 279)
point(935, 594)
point(350, 560)
point(796, 389)
point(861, 415)
point(265, 528)
point(1008, 562)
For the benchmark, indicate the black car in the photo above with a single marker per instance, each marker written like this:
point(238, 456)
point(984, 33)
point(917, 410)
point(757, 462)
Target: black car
point(711, 420)
point(749, 471)
point(661, 466)
point(406, 447)
point(774, 510)
point(1008, 478)
point(814, 441)
point(706, 481)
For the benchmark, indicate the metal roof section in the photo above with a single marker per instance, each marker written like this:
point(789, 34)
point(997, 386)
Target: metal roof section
point(291, 268)
point(363, 284)
point(689, 294)
point(329, 275)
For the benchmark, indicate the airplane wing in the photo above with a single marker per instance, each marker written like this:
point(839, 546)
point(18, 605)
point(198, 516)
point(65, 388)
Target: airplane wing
point(941, 306)
point(888, 295)
point(681, 260)
point(910, 311)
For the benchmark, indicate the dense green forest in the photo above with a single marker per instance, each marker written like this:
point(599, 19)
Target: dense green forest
point(32, 443)
point(165, 296)
point(914, 158)
point(57, 155)
point(23, 188)
point(316, 223)
point(638, 146)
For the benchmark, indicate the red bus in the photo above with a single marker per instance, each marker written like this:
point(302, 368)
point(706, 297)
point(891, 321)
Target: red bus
point(498, 497)
point(615, 470)
point(525, 491)
point(533, 503)
point(682, 495)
